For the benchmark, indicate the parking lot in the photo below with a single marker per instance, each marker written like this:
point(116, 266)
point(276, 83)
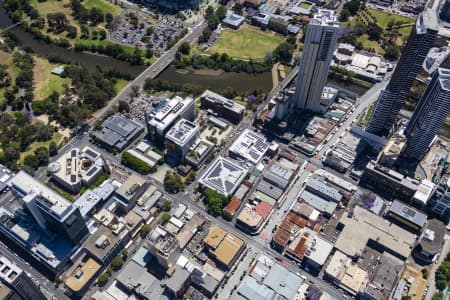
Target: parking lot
point(135, 29)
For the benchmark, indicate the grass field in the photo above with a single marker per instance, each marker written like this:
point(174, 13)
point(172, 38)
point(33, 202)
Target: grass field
point(104, 6)
point(120, 84)
point(246, 43)
point(383, 18)
point(46, 83)
point(368, 44)
point(305, 5)
point(57, 138)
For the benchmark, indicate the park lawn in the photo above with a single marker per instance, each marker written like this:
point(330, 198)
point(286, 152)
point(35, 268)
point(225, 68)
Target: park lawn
point(57, 138)
point(6, 59)
point(305, 5)
point(104, 6)
point(368, 44)
point(246, 43)
point(89, 42)
point(46, 83)
point(383, 18)
point(120, 85)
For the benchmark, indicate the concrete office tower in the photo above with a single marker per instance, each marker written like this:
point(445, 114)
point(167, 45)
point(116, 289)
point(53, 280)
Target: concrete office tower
point(431, 112)
point(394, 96)
point(320, 42)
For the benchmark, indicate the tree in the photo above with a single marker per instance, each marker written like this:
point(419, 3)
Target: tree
point(57, 21)
point(123, 106)
point(116, 263)
point(135, 163)
point(209, 11)
point(392, 52)
point(102, 279)
point(102, 34)
point(145, 230)
point(167, 205)
point(215, 201)
point(438, 296)
point(31, 161)
point(353, 6)
point(190, 177)
point(165, 218)
point(173, 182)
point(221, 12)
point(108, 17)
point(374, 31)
point(124, 254)
point(213, 22)
point(42, 155)
point(148, 53)
point(345, 14)
point(52, 149)
point(284, 53)
point(71, 31)
point(185, 48)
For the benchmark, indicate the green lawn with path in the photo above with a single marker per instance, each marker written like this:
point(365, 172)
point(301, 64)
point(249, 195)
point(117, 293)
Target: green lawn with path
point(246, 43)
point(104, 6)
point(57, 138)
point(383, 18)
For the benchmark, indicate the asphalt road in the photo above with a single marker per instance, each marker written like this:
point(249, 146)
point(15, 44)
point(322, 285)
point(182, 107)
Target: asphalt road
point(153, 70)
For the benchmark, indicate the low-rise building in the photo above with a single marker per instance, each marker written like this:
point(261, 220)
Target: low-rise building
point(118, 132)
point(363, 228)
point(411, 284)
point(388, 180)
point(439, 203)
point(107, 242)
point(164, 115)
point(309, 249)
point(233, 20)
point(178, 282)
point(231, 208)
point(130, 191)
point(77, 168)
point(249, 146)
point(80, 276)
point(392, 151)
point(222, 106)
point(384, 278)
point(164, 246)
point(267, 279)
point(137, 282)
point(249, 220)
point(198, 153)
point(346, 274)
point(430, 242)
point(223, 176)
point(318, 186)
point(407, 216)
point(223, 246)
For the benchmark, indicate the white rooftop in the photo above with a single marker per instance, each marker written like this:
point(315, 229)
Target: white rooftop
point(250, 145)
point(224, 176)
point(27, 185)
point(182, 132)
point(169, 111)
point(325, 17)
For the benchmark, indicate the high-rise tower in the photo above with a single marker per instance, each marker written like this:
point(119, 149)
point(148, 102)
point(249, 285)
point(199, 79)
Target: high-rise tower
point(394, 96)
point(320, 42)
point(431, 112)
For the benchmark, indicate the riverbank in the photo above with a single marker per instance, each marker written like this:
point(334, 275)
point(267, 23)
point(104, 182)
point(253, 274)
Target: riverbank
point(218, 79)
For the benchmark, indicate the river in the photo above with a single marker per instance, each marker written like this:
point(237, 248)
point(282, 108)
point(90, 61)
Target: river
point(210, 79)
point(89, 60)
